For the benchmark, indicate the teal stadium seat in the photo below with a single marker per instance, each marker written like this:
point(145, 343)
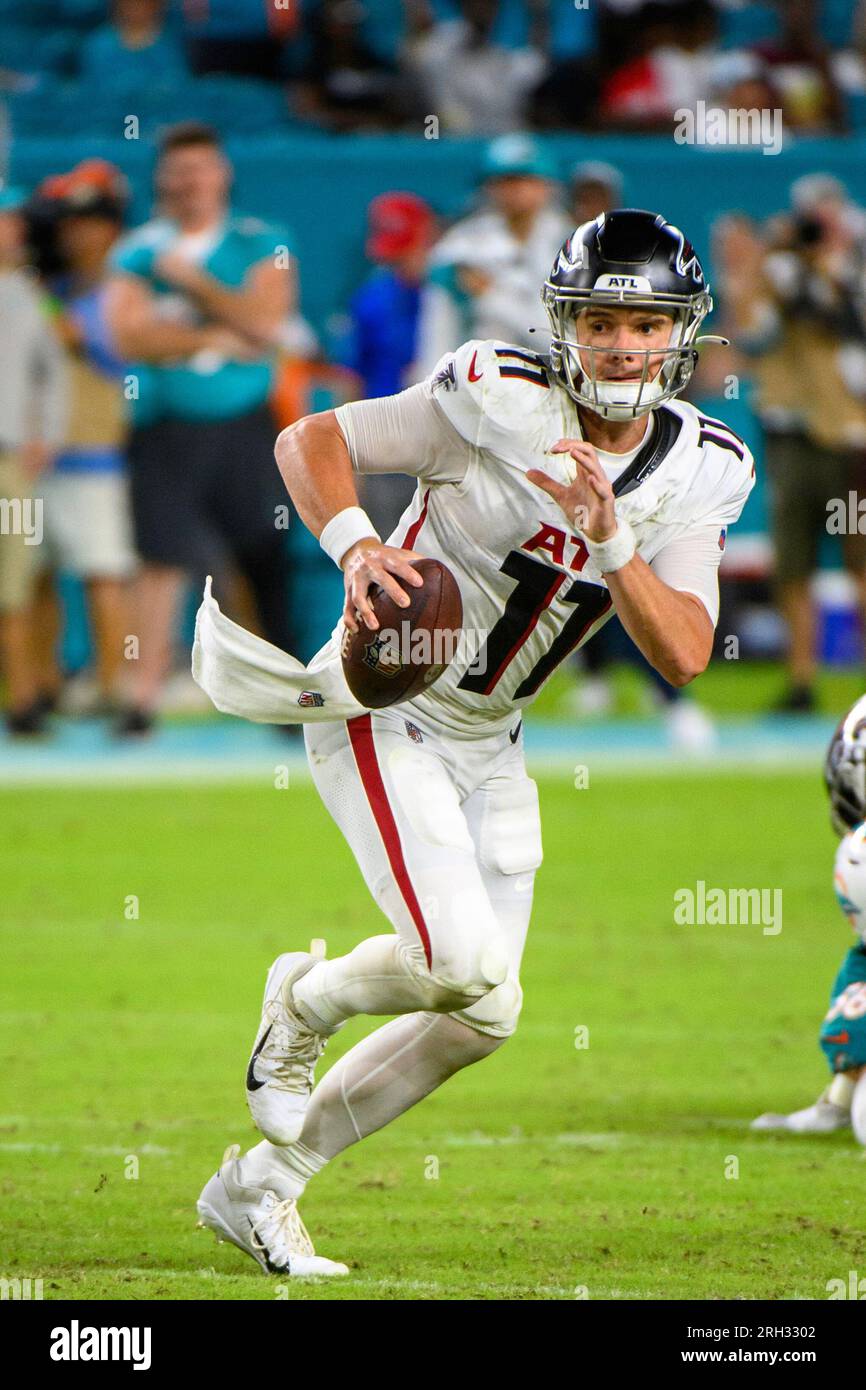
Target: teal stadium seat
point(39, 12)
point(26, 49)
point(758, 21)
point(235, 106)
point(84, 14)
point(837, 21)
point(855, 110)
point(753, 24)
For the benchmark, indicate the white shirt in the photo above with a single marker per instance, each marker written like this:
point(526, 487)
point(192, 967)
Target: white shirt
point(511, 310)
point(480, 90)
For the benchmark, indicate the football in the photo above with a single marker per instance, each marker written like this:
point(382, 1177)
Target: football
point(413, 645)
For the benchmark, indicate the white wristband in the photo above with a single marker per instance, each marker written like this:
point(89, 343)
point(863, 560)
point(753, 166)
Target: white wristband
point(344, 530)
point(615, 552)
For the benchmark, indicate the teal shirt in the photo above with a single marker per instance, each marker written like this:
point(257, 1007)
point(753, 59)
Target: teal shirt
point(107, 62)
point(843, 1032)
point(204, 387)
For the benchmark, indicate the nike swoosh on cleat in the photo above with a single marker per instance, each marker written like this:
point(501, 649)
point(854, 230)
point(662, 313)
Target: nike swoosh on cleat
point(252, 1083)
point(839, 1038)
point(473, 375)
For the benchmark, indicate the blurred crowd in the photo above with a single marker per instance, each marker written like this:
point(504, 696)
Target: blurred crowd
point(146, 371)
point(479, 66)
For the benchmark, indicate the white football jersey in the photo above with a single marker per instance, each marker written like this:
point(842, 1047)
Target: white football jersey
point(531, 594)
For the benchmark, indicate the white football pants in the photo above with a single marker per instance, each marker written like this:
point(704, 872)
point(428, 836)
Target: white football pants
point(446, 833)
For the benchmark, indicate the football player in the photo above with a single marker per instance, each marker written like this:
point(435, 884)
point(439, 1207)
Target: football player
point(555, 489)
point(843, 1031)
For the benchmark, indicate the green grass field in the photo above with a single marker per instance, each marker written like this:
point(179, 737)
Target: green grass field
point(560, 1169)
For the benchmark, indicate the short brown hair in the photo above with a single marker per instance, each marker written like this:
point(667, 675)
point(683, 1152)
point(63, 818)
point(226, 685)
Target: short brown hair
point(187, 133)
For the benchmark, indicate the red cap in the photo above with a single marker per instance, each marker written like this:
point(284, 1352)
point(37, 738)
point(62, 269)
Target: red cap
point(94, 185)
point(398, 222)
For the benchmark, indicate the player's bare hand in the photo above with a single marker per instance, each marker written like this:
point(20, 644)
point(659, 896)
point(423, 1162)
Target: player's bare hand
point(370, 562)
point(588, 501)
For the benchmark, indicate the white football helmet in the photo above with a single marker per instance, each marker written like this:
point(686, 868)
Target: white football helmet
point(849, 879)
point(633, 259)
point(845, 770)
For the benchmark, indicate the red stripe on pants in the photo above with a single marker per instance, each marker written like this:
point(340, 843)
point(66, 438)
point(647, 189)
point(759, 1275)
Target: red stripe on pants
point(361, 739)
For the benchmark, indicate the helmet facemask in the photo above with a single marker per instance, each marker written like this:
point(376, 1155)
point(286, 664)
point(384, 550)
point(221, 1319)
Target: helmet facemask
point(623, 400)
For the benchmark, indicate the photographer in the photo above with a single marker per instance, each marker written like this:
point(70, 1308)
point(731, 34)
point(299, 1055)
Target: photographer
point(793, 292)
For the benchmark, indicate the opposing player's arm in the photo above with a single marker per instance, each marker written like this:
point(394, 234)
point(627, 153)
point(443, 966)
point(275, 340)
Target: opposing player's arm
point(319, 457)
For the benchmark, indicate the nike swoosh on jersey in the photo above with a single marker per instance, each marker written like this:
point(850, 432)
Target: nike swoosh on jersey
point(252, 1083)
point(515, 734)
point(473, 375)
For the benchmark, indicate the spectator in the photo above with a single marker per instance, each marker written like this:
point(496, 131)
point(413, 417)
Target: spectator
point(380, 344)
point(196, 302)
point(133, 49)
point(799, 67)
point(791, 292)
point(487, 270)
point(470, 83)
point(673, 69)
point(88, 530)
point(240, 37)
point(345, 85)
point(594, 187)
point(32, 422)
point(742, 82)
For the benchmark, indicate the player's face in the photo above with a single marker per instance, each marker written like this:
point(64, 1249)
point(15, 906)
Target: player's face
point(516, 195)
point(85, 239)
point(193, 177)
point(621, 337)
point(589, 200)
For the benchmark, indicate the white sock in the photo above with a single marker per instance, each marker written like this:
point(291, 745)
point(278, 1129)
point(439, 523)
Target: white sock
point(286, 1170)
point(841, 1090)
point(379, 1079)
point(858, 1109)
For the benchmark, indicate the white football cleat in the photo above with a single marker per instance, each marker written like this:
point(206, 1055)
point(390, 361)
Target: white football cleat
point(824, 1117)
point(257, 1222)
point(286, 1050)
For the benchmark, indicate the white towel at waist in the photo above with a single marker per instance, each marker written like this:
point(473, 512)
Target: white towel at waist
point(247, 676)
